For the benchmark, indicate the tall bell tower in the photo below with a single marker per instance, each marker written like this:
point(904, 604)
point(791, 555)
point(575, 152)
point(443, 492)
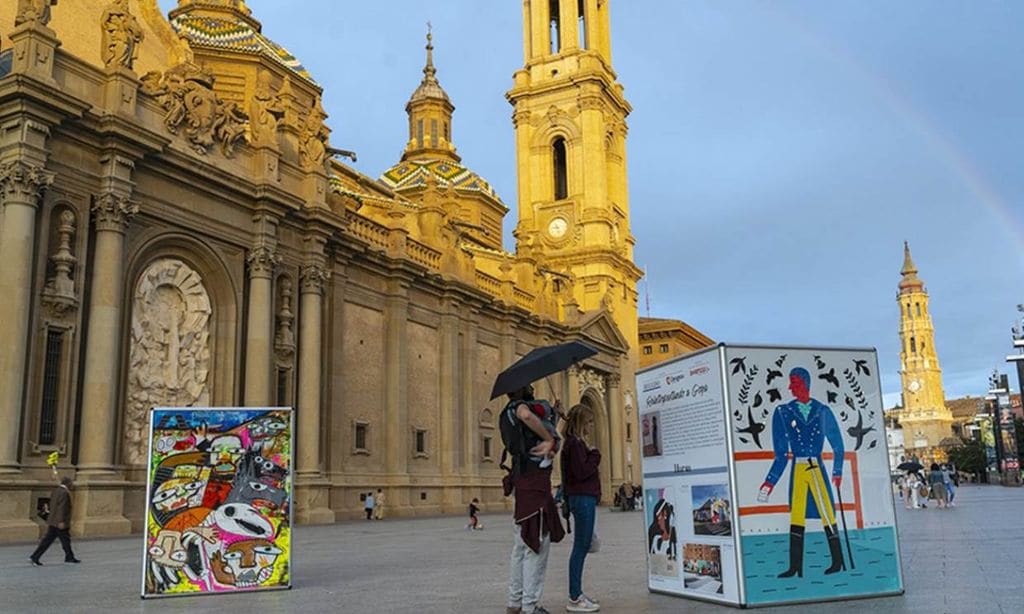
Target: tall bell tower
point(925, 418)
point(570, 122)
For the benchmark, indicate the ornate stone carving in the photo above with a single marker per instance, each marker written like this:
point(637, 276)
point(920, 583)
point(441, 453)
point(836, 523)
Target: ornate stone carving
point(614, 380)
point(588, 378)
point(37, 11)
point(23, 182)
point(314, 277)
point(59, 292)
point(261, 260)
point(113, 211)
point(313, 138)
point(265, 111)
point(169, 355)
point(284, 340)
point(186, 94)
point(122, 35)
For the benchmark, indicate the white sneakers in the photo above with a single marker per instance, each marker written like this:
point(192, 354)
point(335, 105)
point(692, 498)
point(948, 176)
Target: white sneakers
point(583, 604)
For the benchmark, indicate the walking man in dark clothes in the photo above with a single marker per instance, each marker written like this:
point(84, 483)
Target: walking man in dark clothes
point(59, 523)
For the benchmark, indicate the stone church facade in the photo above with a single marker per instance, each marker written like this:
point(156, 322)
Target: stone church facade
point(177, 230)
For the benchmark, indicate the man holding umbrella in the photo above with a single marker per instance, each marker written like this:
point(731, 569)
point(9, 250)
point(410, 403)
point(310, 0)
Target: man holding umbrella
point(530, 443)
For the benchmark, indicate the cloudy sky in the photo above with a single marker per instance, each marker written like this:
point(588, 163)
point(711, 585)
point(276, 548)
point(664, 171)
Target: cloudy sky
point(779, 153)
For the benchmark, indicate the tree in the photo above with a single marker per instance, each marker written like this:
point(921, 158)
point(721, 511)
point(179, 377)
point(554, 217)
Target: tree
point(969, 457)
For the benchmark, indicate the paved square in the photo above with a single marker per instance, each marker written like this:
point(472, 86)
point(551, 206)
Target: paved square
point(965, 559)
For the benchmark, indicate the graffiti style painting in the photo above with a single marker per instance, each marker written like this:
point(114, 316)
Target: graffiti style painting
point(218, 502)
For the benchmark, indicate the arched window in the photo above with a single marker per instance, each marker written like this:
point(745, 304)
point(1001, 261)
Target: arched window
point(913, 346)
point(582, 24)
point(918, 306)
point(554, 12)
point(558, 157)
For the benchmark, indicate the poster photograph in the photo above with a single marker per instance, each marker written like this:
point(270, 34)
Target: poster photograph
point(811, 474)
point(219, 501)
point(702, 568)
point(712, 514)
point(662, 538)
point(649, 427)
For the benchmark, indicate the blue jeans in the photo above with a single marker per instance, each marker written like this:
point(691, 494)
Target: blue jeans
point(584, 510)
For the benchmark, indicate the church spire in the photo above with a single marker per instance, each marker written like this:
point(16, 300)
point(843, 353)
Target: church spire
point(430, 114)
point(910, 281)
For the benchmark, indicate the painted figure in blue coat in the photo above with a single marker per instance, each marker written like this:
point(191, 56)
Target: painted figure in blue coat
point(800, 428)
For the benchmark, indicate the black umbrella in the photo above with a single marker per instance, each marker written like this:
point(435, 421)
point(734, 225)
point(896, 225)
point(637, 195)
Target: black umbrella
point(539, 363)
point(910, 466)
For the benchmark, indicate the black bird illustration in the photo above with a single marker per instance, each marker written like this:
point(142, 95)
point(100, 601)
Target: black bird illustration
point(842, 415)
point(753, 428)
point(872, 444)
point(743, 439)
point(818, 361)
point(772, 374)
point(861, 366)
point(858, 432)
point(782, 359)
point(830, 377)
point(774, 394)
point(758, 400)
point(832, 396)
point(739, 364)
point(849, 403)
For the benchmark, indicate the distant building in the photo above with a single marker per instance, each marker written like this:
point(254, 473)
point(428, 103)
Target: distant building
point(662, 339)
point(927, 422)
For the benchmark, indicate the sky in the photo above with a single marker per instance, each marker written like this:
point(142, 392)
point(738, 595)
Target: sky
point(779, 152)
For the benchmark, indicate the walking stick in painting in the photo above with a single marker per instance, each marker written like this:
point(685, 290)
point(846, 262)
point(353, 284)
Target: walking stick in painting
point(846, 534)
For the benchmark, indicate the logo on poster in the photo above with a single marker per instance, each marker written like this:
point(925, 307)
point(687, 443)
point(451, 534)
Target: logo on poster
point(671, 379)
point(700, 370)
point(649, 386)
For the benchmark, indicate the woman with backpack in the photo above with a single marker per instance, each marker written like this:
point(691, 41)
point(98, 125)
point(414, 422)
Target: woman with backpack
point(582, 484)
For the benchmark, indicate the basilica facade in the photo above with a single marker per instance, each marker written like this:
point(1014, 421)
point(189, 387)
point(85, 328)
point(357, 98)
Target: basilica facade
point(177, 230)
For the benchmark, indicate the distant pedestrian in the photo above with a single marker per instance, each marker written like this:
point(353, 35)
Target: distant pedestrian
point(906, 487)
point(378, 505)
point(950, 481)
point(58, 523)
point(474, 521)
point(938, 485)
point(582, 484)
point(368, 505)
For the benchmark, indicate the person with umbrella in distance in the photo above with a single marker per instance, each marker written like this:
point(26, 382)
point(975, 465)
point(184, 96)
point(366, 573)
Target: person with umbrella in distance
point(528, 434)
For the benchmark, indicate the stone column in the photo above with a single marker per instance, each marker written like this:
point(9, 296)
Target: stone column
point(448, 372)
point(259, 346)
point(313, 491)
point(21, 187)
point(111, 213)
point(99, 502)
point(471, 405)
point(616, 418)
point(396, 427)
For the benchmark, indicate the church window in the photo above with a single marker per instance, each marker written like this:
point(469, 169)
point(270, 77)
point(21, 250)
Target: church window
point(629, 431)
point(447, 135)
point(487, 448)
point(648, 349)
point(359, 438)
point(554, 13)
point(433, 133)
point(51, 383)
point(918, 305)
point(663, 348)
point(909, 315)
point(913, 346)
point(582, 24)
point(558, 155)
point(421, 442)
point(419, 133)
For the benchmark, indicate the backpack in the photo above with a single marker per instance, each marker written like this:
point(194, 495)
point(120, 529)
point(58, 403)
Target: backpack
point(518, 440)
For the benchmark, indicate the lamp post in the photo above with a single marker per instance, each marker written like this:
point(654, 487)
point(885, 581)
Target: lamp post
point(1018, 359)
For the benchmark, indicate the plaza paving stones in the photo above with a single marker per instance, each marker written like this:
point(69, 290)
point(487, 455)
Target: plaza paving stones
point(965, 559)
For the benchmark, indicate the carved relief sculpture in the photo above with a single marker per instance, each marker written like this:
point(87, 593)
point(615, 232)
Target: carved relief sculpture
point(265, 111)
point(588, 378)
point(122, 35)
point(59, 293)
point(186, 94)
point(284, 340)
point(313, 138)
point(169, 356)
point(37, 11)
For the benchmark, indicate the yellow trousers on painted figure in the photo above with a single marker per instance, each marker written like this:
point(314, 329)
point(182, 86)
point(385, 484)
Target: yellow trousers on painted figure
point(807, 479)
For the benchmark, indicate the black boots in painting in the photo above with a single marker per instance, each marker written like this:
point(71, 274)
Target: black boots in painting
point(796, 551)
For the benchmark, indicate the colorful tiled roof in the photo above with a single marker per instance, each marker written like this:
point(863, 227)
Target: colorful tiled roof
point(235, 35)
point(413, 174)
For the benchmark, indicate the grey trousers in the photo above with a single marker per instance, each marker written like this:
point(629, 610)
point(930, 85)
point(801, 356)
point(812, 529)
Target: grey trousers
point(526, 575)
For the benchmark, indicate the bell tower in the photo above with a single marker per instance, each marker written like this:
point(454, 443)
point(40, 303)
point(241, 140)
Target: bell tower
point(925, 418)
point(570, 123)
